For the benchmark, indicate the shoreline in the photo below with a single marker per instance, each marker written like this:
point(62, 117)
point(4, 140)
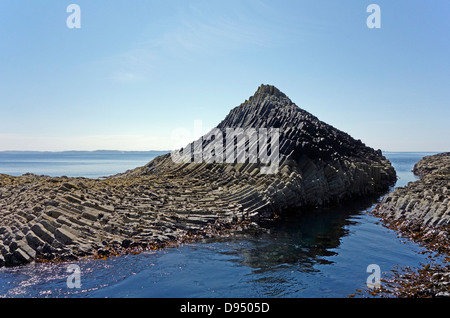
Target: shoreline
point(50, 218)
point(117, 249)
point(419, 211)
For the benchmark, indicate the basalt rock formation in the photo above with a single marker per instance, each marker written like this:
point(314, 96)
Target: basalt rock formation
point(319, 164)
point(167, 202)
point(421, 209)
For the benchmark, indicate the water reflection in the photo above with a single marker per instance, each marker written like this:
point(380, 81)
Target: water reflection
point(301, 238)
point(316, 253)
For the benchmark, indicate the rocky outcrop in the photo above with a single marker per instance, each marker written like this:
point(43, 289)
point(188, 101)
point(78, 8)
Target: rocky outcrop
point(421, 211)
point(165, 203)
point(58, 219)
point(422, 208)
point(319, 164)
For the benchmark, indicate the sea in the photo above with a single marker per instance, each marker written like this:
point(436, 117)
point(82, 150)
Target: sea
point(321, 253)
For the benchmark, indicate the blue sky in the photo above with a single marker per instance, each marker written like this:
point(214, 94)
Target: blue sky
point(138, 70)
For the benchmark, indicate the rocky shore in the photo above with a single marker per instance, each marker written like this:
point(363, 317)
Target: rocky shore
point(421, 212)
point(165, 203)
point(421, 209)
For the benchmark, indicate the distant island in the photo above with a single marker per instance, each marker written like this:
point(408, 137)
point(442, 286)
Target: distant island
point(106, 152)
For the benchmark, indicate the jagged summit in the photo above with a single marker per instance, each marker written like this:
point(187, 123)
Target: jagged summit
point(269, 90)
point(265, 92)
point(301, 133)
point(256, 111)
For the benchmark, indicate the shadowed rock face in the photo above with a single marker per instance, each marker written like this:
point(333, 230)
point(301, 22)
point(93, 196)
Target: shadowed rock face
point(164, 201)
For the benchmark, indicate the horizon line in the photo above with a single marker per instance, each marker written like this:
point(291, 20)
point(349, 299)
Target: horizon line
point(118, 150)
point(97, 150)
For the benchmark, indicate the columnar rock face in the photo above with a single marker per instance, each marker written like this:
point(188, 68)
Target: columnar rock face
point(168, 202)
point(319, 164)
point(422, 208)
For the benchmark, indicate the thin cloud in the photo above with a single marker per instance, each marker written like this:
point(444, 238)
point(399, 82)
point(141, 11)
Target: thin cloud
point(204, 30)
point(125, 77)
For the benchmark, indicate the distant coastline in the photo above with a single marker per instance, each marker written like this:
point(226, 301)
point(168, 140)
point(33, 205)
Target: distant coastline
point(90, 164)
point(86, 151)
point(106, 151)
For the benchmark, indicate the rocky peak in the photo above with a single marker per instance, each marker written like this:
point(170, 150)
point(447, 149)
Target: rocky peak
point(301, 133)
point(264, 90)
point(265, 95)
point(302, 136)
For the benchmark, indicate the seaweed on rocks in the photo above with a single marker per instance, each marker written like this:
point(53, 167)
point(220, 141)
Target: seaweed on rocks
point(420, 211)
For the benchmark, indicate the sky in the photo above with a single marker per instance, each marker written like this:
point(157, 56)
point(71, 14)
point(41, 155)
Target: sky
point(137, 73)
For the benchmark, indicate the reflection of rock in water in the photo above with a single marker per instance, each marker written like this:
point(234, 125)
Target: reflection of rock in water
point(301, 238)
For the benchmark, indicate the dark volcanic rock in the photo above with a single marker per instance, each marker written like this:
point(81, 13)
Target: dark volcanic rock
point(319, 164)
point(165, 202)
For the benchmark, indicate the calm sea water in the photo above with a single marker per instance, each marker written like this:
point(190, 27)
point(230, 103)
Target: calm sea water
point(89, 164)
point(321, 253)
